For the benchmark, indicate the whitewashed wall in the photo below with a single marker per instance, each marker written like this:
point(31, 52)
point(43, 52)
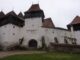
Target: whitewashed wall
point(51, 33)
point(9, 35)
point(32, 30)
point(60, 34)
point(77, 36)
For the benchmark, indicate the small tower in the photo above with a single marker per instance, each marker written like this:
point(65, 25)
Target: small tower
point(75, 24)
point(34, 11)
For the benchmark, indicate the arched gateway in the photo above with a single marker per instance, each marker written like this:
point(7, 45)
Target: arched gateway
point(32, 43)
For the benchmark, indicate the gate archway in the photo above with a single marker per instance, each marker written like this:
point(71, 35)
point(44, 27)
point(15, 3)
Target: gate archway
point(33, 43)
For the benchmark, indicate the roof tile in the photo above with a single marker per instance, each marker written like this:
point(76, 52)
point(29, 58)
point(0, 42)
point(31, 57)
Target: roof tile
point(48, 23)
point(76, 20)
point(34, 7)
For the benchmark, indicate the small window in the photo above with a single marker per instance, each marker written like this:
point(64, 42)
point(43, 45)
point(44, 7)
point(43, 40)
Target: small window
point(13, 26)
point(56, 40)
point(3, 33)
point(13, 33)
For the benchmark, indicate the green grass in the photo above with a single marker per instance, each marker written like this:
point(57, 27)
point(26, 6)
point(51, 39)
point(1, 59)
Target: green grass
point(45, 56)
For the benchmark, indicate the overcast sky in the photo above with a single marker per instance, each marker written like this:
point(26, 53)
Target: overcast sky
point(62, 12)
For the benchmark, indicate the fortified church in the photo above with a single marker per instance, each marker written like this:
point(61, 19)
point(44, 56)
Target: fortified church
point(32, 30)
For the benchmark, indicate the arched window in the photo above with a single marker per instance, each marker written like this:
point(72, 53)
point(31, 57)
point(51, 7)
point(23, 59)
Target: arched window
point(56, 40)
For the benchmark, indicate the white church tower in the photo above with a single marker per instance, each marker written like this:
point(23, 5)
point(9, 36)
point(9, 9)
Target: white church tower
point(32, 31)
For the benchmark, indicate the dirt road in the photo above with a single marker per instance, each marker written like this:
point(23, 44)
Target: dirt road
point(8, 53)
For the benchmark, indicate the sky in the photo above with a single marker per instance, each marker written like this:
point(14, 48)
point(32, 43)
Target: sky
point(62, 12)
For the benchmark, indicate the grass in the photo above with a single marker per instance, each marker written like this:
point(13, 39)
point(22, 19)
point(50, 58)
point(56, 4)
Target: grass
point(44, 56)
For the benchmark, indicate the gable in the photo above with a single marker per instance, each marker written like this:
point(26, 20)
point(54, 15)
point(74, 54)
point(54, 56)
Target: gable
point(47, 23)
point(76, 20)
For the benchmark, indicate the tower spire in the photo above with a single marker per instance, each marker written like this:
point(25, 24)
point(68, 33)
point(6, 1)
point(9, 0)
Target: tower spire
point(34, 11)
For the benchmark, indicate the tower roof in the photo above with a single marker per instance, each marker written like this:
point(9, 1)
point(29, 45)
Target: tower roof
point(34, 7)
point(75, 21)
point(34, 11)
point(47, 23)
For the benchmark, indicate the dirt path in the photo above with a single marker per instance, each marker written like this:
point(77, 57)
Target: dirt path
point(8, 53)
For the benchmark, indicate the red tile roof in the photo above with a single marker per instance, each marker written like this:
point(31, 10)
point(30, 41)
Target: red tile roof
point(48, 23)
point(34, 7)
point(76, 20)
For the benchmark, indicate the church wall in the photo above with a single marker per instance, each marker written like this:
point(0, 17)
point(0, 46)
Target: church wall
point(9, 35)
point(61, 34)
point(77, 36)
point(50, 34)
point(33, 30)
